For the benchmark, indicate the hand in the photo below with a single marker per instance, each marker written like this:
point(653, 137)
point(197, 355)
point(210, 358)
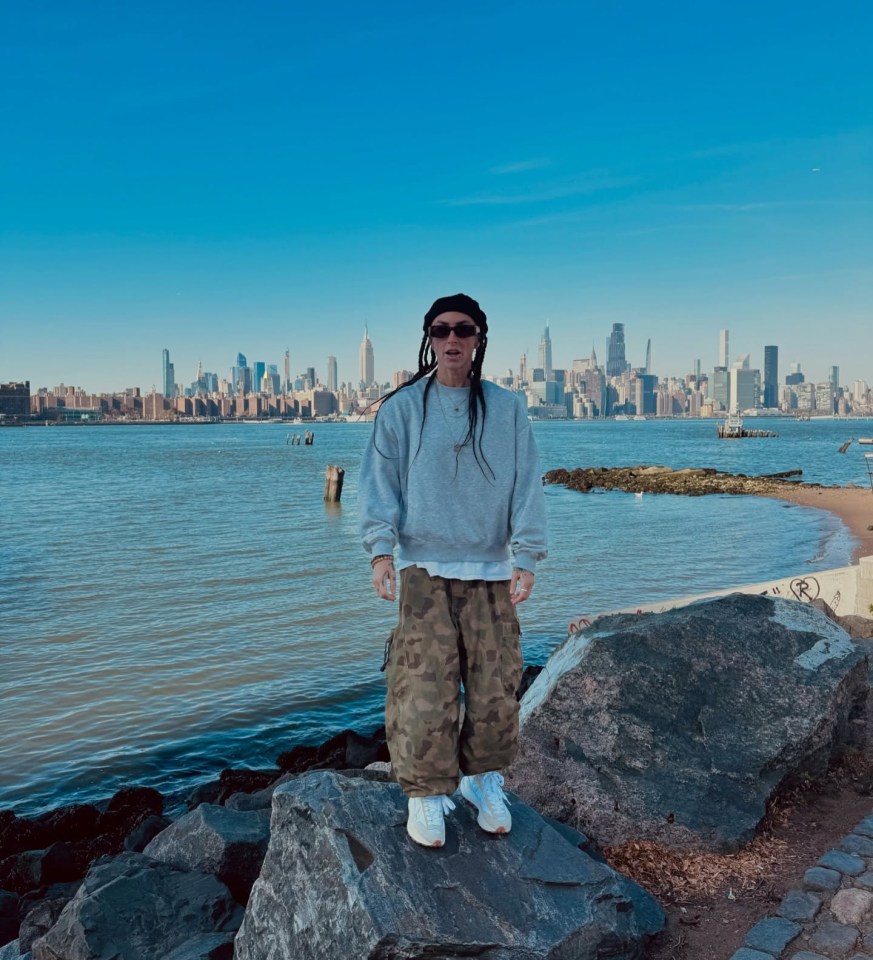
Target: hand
point(385, 579)
point(520, 586)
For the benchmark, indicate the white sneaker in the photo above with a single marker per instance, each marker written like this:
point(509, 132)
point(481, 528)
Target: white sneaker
point(485, 792)
point(425, 823)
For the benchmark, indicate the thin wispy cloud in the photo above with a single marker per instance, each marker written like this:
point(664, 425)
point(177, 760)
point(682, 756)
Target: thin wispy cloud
point(537, 163)
point(544, 194)
point(764, 205)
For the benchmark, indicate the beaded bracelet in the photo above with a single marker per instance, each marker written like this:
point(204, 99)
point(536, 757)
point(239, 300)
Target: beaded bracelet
point(382, 556)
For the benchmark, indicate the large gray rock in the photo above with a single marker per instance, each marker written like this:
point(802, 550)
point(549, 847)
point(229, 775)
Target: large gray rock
point(229, 843)
point(39, 920)
point(11, 951)
point(678, 726)
point(343, 880)
point(131, 907)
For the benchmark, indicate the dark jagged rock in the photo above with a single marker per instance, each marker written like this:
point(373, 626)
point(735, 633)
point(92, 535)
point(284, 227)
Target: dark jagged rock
point(230, 783)
point(243, 781)
point(134, 907)
point(39, 920)
point(259, 800)
point(346, 749)
point(527, 678)
point(691, 482)
point(11, 952)
point(205, 793)
point(70, 823)
point(144, 832)
point(679, 726)
point(9, 905)
point(231, 844)
point(215, 946)
point(342, 879)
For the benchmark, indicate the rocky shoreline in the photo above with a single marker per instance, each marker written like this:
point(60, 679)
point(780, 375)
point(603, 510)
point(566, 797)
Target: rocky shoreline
point(690, 482)
point(44, 859)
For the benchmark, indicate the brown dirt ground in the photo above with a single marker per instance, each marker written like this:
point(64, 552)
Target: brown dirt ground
point(711, 925)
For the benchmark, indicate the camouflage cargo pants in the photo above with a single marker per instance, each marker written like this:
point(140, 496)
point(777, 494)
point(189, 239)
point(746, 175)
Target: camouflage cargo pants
point(451, 632)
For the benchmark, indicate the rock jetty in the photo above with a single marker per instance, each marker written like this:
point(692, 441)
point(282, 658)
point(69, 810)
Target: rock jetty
point(690, 482)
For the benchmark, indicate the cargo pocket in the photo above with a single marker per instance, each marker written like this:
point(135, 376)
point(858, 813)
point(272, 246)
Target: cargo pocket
point(389, 643)
point(511, 665)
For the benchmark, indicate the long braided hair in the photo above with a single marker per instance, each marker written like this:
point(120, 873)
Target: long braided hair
point(427, 363)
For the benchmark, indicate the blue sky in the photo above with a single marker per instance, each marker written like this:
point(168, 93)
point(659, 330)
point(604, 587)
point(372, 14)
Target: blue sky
point(215, 178)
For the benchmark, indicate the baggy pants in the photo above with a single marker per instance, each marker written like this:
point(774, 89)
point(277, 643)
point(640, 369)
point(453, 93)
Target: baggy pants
point(451, 632)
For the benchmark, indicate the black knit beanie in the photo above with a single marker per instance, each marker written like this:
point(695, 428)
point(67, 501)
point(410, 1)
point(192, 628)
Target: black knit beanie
point(457, 303)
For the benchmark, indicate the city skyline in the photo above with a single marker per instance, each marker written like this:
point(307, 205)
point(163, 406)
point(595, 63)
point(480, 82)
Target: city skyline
point(272, 177)
point(365, 352)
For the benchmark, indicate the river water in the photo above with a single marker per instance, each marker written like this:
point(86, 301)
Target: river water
point(177, 599)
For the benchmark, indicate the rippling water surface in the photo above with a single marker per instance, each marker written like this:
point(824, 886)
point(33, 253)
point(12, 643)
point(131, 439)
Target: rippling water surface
point(176, 599)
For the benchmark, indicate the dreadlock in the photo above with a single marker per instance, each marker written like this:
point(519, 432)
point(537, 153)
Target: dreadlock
point(427, 363)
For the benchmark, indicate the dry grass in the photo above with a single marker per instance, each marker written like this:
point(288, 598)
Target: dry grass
point(677, 877)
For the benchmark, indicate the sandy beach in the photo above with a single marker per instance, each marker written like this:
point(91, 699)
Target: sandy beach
point(853, 505)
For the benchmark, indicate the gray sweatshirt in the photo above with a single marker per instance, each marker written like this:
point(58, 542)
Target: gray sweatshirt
point(441, 506)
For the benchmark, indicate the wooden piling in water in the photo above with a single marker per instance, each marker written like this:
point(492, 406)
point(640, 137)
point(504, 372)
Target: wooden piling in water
point(333, 484)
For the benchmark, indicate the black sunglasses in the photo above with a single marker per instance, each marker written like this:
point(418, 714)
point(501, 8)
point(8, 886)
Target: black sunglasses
point(439, 331)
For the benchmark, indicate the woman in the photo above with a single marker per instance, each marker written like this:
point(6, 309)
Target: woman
point(451, 479)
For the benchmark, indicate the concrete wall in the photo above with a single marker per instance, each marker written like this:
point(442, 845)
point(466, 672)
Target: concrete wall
point(845, 589)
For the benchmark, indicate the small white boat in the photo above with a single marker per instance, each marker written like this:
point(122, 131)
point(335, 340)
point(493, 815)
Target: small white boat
point(868, 441)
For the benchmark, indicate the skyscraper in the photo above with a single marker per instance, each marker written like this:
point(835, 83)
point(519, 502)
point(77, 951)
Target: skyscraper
point(771, 376)
point(287, 384)
point(723, 351)
point(259, 371)
point(546, 354)
point(616, 364)
point(169, 376)
point(241, 376)
point(648, 359)
point(365, 361)
point(331, 374)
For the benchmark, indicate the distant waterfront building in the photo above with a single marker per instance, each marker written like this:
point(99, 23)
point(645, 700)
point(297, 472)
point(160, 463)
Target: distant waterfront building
point(719, 388)
point(824, 396)
point(723, 349)
point(286, 384)
point(616, 364)
point(260, 368)
point(274, 383)
point(15, 400)
point(745, 387)
point(795, 375)
point(168, 376)
point(365, 361)
point(836, 393)
point(805, 396)
point(331, 374)
point(645, 400)
point(241, 376)
point(546, 353)
point(771, 376)
point(649, 355)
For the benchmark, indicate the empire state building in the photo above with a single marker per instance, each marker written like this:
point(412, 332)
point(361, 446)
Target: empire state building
point(365, 361)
